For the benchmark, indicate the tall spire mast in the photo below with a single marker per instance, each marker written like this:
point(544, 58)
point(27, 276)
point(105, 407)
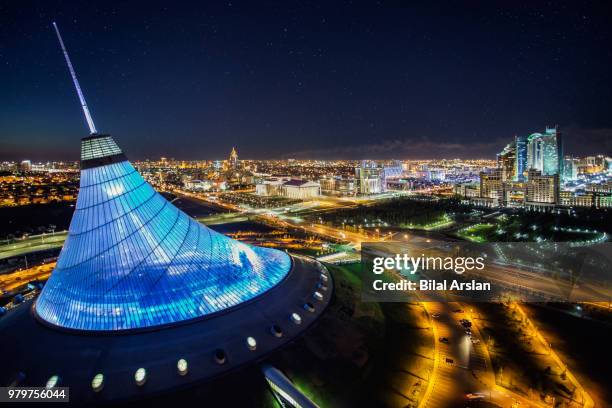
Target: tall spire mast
point(88, 118)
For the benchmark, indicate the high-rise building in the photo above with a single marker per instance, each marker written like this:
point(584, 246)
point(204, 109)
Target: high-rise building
point(506, 161)
point(542, 190)
point(520, 167)
point(233, 159)
point(370, 177)
point(570, 168)
point(492, 186)
point(545, 152)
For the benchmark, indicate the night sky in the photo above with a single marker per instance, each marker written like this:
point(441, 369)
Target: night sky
point(305, 80)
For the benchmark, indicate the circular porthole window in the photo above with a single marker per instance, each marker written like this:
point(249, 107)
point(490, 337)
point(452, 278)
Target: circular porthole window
point(309, 307)
point(53, 381)
point(220, 357)
point(276, 331)
point(182, 366)
point(140, 376)
point(296, 318)
point(98, 382)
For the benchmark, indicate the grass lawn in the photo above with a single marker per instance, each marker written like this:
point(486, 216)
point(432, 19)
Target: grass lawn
point(476, 233)
point(443, 222)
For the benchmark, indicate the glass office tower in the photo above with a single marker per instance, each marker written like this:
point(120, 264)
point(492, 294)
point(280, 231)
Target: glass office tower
point(545, 152)
point(520, 171)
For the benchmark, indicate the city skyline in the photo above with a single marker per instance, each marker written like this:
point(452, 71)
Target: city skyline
point(305, 82)
point(503, 146)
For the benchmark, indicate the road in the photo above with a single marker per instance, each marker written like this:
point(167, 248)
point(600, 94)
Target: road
point(32, 244)
point(289, 217)
point(11, 281)
point(470, 370)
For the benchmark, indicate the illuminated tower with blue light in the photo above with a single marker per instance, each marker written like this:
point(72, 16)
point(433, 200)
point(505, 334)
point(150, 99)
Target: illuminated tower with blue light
point(133, 260)
point(520, 167)
point(545, 152)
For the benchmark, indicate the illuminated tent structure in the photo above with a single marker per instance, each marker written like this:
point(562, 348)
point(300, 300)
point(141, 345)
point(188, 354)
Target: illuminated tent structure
point(142, 290)
point(133, 260)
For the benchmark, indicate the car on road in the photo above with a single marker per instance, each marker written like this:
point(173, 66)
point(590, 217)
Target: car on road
point(443, 340)
point(475, 396)
point(449, 360)
point(466, 323)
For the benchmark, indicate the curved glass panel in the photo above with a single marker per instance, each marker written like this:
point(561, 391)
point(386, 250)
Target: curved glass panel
point(134, 260)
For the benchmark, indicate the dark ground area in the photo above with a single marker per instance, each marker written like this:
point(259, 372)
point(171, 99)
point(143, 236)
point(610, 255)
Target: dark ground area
point(32, 219)
point(195, 208)
point(29, 218)
point(584, 343)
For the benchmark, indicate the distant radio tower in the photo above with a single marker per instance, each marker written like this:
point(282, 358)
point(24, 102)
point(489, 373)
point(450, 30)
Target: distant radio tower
point(88, 118)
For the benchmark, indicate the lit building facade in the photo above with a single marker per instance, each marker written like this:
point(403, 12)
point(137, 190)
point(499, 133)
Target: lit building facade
point(542, 190)
point(233, 159)
point(520, 165)
point(545, 152)
point(269, 188)
point(337, 186)
point(492, 186)
point(570, 169)
point(301, 189)
point(370, 178)
point(26, 165)
point(506, 161)
point(586, 199)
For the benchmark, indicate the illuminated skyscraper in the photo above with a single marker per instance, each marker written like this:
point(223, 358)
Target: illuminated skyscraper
point(520, 165)
point(570, 168)
point(492, 186)
point(542, 190)
point(545, 152)
point(371, 177)
point(233, 159)
point(506, 161)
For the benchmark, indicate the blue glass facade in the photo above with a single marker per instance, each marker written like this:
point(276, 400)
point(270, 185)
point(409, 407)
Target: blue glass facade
point(521, 158)
point(133, 260)
point(545, 152)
